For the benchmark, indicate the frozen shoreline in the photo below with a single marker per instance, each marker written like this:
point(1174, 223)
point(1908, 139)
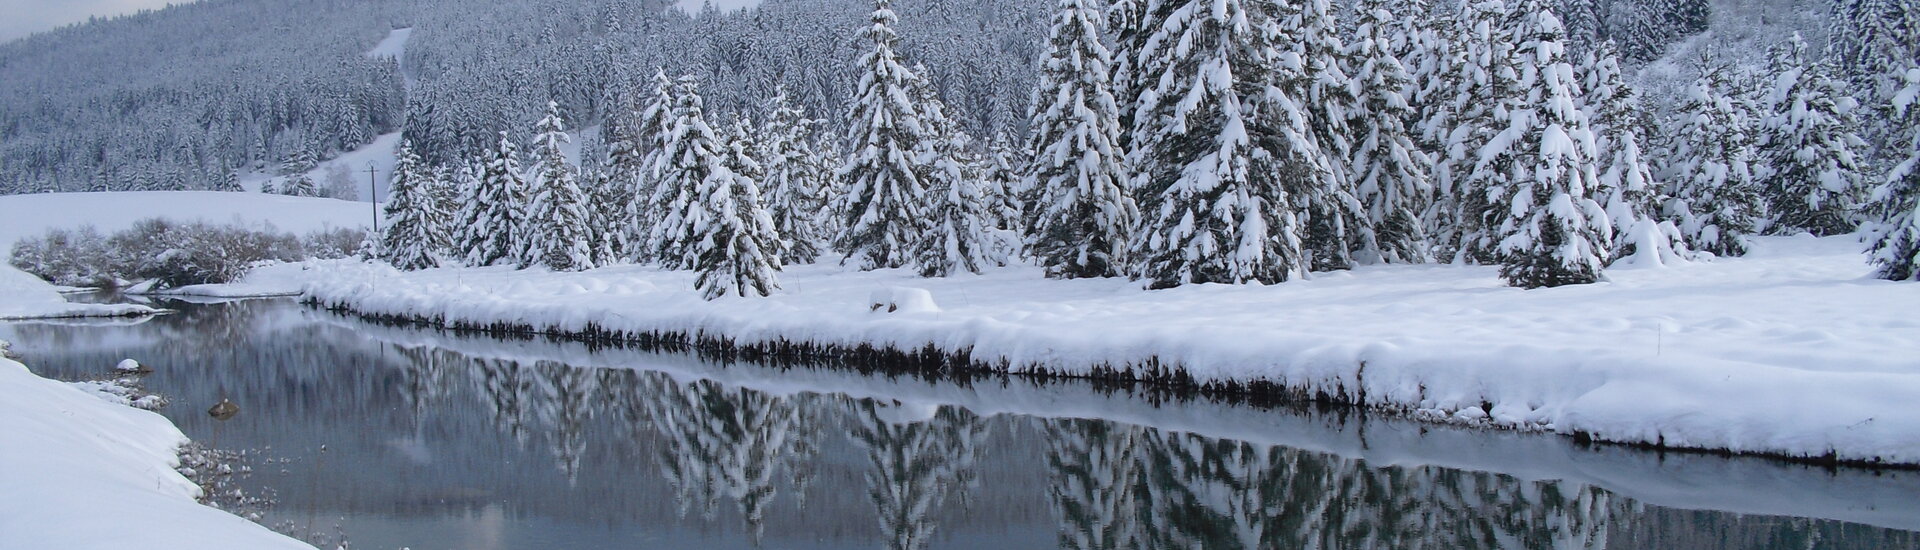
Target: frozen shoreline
point(101, 475)
point(1790, 352)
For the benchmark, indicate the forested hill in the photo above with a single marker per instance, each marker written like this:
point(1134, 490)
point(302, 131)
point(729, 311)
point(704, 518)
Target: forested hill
point(189, 96)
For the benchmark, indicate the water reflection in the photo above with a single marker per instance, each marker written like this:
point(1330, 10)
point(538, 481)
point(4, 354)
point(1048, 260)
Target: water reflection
point(438, 440)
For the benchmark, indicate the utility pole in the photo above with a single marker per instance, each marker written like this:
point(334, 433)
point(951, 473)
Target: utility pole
point(373, 195)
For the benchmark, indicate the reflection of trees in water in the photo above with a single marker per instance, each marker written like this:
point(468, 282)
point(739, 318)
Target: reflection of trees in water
point(918, 463)
point(728, 442)
point(1094, 476)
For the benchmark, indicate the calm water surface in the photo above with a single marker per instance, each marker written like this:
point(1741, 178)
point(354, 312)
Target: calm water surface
point(437, 440)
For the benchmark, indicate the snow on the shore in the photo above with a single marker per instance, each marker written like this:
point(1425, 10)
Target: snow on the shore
point(1789, 351)
point(32, 215)
point(24, 296)
point(79, 473)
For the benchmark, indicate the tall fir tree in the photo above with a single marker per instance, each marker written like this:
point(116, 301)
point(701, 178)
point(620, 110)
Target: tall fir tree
point(1336, 224)
point(961, 230)
point(1714, 196)
point(1469, 110)
point(795, 186)
point(740, 254)
point(884, 203)
point(1808, 146)
point(295, 168)
point(1389, 170)
point(690, 156)
point(1082, 213)
point(607, 201)
point(1626, 186)
point(636, 163)
point(557, 234)
point(1219, 149)
point(1896, 253)
point(493, 214)
point(413, 236)
point(1551, 231)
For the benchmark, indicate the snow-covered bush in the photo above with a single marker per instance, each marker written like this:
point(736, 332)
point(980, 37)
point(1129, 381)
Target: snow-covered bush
point(172, 253)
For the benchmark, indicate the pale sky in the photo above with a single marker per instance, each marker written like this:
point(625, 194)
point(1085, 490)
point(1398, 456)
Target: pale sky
point(19, 18)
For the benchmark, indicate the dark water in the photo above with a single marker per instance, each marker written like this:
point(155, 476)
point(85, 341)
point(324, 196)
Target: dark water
point(438, 440)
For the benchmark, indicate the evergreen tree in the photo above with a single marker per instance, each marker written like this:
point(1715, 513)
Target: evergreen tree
point(607, 201)
point(1896, 254)
point(412, 238)
point(1809, 148)
point(883, 206)
point(1082, 213)
point(636, 163)
point(1336, 225)
point(1551, 232)
point(493, 212)
point(1467, 110)
point(1714, 195)
point(295, 167)
point(1001, 172)
point(961, 231)
point(795, 183)
point(1626, 187)
point(230, 180)
point(557, 234)
point(741, 251)
point(1389, 170)
point(691, 156)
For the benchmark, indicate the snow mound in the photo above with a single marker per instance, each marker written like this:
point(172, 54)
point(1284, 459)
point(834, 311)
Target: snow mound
point(902, 299)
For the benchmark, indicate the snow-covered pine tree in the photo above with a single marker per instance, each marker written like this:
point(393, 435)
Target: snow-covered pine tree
point(450, 188)
point(1467, 107)
point(607, 201)
point(884, 206)
point(1001, 171)
point(741, 251)
point(1388, 169)
point(636, 164)
point(961, 233)
point(690, 156)
point(412, 237)
point(1714, 196)
point(1220, 151)
point(794, 188)
point(557, 235)
point(230, 180)
point(1626, 186)
point(1808, 146)
point(1896, 254)
point(1082, 212)
point(1336, 224)
point(1551, 232)
point(295, 168)
point(492, 220)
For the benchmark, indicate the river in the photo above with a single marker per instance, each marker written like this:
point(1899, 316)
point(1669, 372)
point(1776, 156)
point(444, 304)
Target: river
point(390, 437)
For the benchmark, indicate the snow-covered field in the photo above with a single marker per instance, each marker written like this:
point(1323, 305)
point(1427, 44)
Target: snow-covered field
point(80, 473)
point(32, 215)
point(1790, 351)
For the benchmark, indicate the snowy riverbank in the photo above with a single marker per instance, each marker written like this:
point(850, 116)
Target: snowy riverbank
point(82, 473)
point(24, 296)
point(1790, 351)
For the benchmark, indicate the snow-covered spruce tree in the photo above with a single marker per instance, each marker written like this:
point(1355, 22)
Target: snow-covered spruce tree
point(961, 233)
point(1336, 224)
point(1808, 146)
point(1551, 232)
point(451, 188)
point(1002, 170)
point(1388, 169)
point(557, 235)
point(1714, 196)
point(230, 180)
point(492, 219)
point(740, 254)
point(1896, 254)
point(1083, 214)
point(795, 184)
point(295, 168)
point(1468, 107)
point(1220, 151)
point(1626, 186)
point(690, 156)
point(884, 204)
point(635, 164)
point(412, 237)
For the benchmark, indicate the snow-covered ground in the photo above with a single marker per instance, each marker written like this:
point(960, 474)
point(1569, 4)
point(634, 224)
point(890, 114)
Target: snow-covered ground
point(79, 472)
point(1790, 351)
point(32, 215)
point(24, 296)
point(351, 165)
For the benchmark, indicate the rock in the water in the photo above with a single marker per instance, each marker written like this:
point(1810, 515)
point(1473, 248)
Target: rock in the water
point(223, 410)
point(129, 366)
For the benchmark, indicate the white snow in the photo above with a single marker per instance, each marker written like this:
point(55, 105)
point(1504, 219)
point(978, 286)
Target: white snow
point(394, 45)
point(24, 296)
point(382, 153)
point(1788, 351)
point(32, 215)
point(82, 473)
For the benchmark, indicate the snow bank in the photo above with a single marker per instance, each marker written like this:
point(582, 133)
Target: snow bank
point(24, 296)
point(32, 215)
point(81, 473)
point(1790, 351)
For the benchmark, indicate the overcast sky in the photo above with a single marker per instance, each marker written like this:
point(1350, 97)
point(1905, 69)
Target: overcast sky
point(24, 17)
